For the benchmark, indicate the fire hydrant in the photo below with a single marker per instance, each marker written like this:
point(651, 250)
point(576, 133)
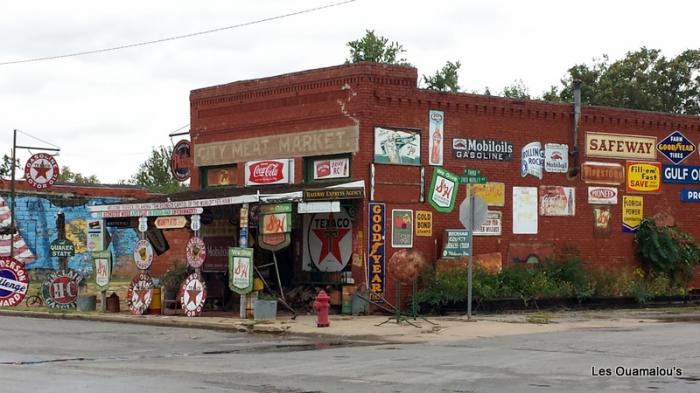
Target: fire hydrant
point(321, 305)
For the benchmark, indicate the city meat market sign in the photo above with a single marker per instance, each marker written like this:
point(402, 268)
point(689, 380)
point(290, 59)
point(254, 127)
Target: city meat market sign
point(620, 146)
point(299, 144)
point(676, 147)
point(61, 248)
point(14, 282)
point(41, 170)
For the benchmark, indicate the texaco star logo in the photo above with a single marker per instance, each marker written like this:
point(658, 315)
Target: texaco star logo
point(41, 170)
point(140, 294)
point(193, 294)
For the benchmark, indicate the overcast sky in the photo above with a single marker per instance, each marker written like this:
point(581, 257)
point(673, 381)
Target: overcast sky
point(107, 110)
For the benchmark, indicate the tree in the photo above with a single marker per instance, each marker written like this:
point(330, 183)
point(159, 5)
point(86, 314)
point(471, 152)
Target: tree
point(154, 174)
point(644, 79)
point(65, 175)
point(517, 90)
point(6, 166)
point(446, 79)
point(376, 49)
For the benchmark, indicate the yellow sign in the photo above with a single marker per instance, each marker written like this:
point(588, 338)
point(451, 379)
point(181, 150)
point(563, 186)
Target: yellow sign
point(632, 212)
point(424, 223)
point(622, 146)
point(169, 222)
point(491, 193)
point(643, 176)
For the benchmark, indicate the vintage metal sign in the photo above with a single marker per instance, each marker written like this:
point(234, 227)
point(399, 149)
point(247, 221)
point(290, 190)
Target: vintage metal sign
point(620, 146)
point(602, 173)
point(602, 195)
point(492, 226)
point(102, 261)
point(424, 223)
point(643, 177)
point(690, 195)
point(443, 190)
point(274, 241)
point(493, 194)
point(240, 269)
point(143, 254)
point(327, 240)
point(193, 295)
point(681, 174)
point(396, 146)
point(557, 201)
point(170, 222)
point(140, 294)
point(401, 228)
point(330, 194)
point(95, 232)
point(481, 149)
point(196, 252)
point(275, 223)
point(532, 160)
point(525, 210)
point(676, 147)
point(269, 172)
point(376, 252)
point(632, 212)
point(41, 170)
point(147, 213)
point(14, 282)
point(61, 248)
point(455, 243)
point(334, 168)
point(556, 158)
point(181, 160)
point(436, 136)
point(601, 221)
point(60, 290)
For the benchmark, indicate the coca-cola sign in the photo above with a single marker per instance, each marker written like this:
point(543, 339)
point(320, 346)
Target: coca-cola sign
point(269, 172)
point(602, 195)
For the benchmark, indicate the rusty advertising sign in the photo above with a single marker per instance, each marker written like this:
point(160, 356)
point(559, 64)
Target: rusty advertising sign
point(181, 160)
point(602, 173)
point(196, 252)
point(14, 282)
point(140, 294)
point(193, 295)
point(41, 170)
point(60, 290)
point(171, 222)
point(143, 254)
point(622, 146)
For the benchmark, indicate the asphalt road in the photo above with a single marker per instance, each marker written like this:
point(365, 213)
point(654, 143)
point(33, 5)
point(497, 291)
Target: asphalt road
point(38, 355)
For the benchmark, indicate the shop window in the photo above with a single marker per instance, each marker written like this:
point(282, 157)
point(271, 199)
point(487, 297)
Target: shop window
point(220, 176)
point(324, 168)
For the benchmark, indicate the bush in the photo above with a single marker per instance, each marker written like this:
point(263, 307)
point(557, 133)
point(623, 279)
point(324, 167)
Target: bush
point(667, 250)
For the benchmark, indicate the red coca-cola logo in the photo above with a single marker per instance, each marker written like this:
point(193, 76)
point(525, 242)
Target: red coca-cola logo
point(265, 172)
point(602, 193)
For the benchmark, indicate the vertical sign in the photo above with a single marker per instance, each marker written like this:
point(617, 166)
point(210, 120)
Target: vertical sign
point(436, 136)
point(601, 221)
point(524, 210)
point(532, 160)
point(401, 228)
point(632, 212)
point(95, 235)
point(240, 273)
point(424, 223)
point(443, 190)
point(376, 253)
point(103, 269)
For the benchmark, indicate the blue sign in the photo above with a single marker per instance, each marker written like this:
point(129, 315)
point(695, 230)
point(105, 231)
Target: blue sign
point(690, 195)
point(676, 147)
point(681, 174)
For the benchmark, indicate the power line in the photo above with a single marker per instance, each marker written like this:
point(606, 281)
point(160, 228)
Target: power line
point(177, 37)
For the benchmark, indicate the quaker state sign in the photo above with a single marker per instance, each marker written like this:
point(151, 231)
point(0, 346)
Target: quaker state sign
point(196, 252)
point(140, 293)
point(143, 254)
point(14, 282)
point(60, 290)
point(41, 170)
point(61, 248)
point(193, 294)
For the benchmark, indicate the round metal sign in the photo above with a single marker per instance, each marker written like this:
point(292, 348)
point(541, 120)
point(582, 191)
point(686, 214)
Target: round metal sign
point(60, 290)
point(196, 252)
point(41, 170)
point(143, 254)
point(181, 161)
point(14, 282)
point(193, 294)
point(140, 294)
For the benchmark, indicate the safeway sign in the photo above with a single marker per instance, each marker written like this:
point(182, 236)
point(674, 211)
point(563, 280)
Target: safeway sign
point(171, 222)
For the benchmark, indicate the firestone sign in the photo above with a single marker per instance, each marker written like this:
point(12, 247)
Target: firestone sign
point(269, 172)
point(620, 146)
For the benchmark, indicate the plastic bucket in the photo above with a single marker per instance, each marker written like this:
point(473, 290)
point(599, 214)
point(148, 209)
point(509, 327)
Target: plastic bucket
point(86, 303)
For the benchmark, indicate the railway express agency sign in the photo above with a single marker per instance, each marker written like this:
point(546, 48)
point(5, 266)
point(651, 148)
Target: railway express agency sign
point(14, 282)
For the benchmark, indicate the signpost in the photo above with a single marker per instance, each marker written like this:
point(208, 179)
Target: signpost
point(473, 212)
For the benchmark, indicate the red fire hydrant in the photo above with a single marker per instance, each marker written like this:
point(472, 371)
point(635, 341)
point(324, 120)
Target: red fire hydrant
point(321, 305)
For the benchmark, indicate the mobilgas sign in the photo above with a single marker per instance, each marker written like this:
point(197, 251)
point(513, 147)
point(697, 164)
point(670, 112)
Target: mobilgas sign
point(676, 147)
point(682, 174)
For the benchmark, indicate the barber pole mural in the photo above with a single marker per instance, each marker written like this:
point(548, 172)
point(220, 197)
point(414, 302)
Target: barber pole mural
point(140, 294)
point(193, 295)
point(14, 282)
point(327, 241)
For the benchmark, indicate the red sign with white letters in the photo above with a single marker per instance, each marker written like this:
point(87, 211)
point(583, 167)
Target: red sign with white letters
point(269, 172)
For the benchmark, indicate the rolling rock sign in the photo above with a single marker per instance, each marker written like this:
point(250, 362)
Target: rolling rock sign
point(14, 282)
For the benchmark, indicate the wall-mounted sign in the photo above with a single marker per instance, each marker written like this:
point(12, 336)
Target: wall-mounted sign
point(217, 251)
point(632, 212)
point(170, 222)
point(331, 168)
point(143, 254)
point(275, 223)
point(524, 210)
point(102, 261)
point(281, 144)
point(14, 282)
point(274, 241)
point(240, 273)
point(401, 228)
point(436, 136)
point(556, 158)
point(492, 226)
point(557, 201)
point(147, 212)
point(424, 223)
point(643, 176)
point(532, 160)
point(140, 294)
point(681, 174)
point(601, 221)
point(396, 146)
point(269, 172)
point(602, 195)
point(181, 160)
point(443, 190)
point(327, 241)
point(482, 149)
point(473, 176)
point(195, 252)
point(61, 248)
point(455, 243)
point(41, 170)
point(330, 194)
point(690, 195)
point(493, 194)
point(60, 290)
point(318, 207)
point(95, 233)
point(121, 222)
point(676, 147)
point(221, 176)
point(193, 295)
point(620, 146)
point(602, 173)
point(376, 251)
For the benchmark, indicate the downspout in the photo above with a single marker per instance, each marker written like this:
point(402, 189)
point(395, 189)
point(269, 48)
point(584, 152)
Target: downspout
point(575, 168)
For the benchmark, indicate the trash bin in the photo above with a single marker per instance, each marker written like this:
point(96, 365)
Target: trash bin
point(86, 303)
point(113, 303)
point(264, 310)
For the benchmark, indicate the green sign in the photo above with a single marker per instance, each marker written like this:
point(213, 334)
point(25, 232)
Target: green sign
point(102, 261)
point(443, 190)
point(455, 243)
point(240, 269)
point(61, 248)
point(472, 176)
point(276, 208)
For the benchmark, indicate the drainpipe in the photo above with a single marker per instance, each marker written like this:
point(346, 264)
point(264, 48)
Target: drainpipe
point(573, 172)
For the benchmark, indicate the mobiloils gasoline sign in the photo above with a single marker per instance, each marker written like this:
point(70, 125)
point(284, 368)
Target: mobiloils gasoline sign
point(682, 174)
point(676, 147)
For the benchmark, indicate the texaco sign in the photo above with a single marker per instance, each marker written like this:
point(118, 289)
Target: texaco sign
point(193, 294)
point(196, 252)
point(143, 254)
point(140, 294)
point(60, 290)
point(328, 240)
point(41, 170)
point(14, 282)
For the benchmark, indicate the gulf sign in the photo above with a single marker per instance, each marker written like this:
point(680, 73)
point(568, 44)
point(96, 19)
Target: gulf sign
point(376, 249)
point(681, 174)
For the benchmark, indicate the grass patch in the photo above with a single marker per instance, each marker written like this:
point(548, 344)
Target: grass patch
point(539, 318)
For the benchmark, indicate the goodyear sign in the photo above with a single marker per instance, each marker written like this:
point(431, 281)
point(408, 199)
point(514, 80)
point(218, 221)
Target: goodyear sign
point(676, 147)
point(376, 249)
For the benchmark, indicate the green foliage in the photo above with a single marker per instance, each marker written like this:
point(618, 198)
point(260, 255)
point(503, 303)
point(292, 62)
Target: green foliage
point(517, 90)
point(446, 79)
point(6, 167)
point(375, 49)
point(174, 276)
point(154, 174)
point(666, 250)
point(65, 175)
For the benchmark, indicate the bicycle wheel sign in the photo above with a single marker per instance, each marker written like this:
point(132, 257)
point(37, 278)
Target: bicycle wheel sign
point(14, 282)
point(60, 290)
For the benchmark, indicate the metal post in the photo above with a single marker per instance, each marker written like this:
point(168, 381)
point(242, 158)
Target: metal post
point(12, 195)
point(471, 255)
